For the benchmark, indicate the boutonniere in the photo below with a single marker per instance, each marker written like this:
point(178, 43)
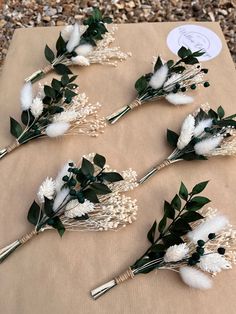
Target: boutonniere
point(82, 45)
point(189, 240)
point(204, 134)
point(169, 80)
point(84, 196)
point(56, 110)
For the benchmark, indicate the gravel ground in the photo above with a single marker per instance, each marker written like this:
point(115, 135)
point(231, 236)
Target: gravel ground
point(31, 13)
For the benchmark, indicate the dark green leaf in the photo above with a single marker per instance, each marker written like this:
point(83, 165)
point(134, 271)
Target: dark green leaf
point(112, 176)
point(70, 94)
point(197, 203)
point(34, 214)
point(191, 60)
point(169, 210)
point(141, 84)
point(183, 192)
point(158, 248)
point(178, 69)
point(193, 156)
point(151, 233)
point(87, 167)
point(226, 122)
point(60, 45)
point(198, 188)
point(171, 239)
point(96, 14)
point(172, 138)
point(58, 225)
point(198, 53)
point(191, 216)
point(183, 52)
point(15, 128)
point(27, 117)
point(162, 224)
point(212, 114)
point(90, 195)
point(107, 20)
point(48, 204)
point(65, 79)
point(49, 91)
point(56, 84)
point(49, 54)
point(62, 69)
point(158, 64)
point(72, 78)
point(99, 160)
point(170, 63)
point(100, 188)
point(180, 227)
point(176, 202)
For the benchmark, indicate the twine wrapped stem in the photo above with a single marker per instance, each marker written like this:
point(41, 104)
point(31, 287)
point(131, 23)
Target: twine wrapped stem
point(37, 75)
point(9, 148)
point(155, 169)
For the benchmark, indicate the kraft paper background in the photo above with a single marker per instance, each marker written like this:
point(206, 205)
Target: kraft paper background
point(53, 275)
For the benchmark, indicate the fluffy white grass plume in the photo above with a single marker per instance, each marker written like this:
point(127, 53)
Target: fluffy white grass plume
point(26, 96)
point(84, 50)
point(195, 278)
point(159, 77)
point(200, 127)
point(204, 147)
point(213, 263)
point(179, 99)
point(37, 107)
point(65, 116)
point(66, 32)
point(74, 38)
point(46, 189)
point(211, 225)
point(63, 172)
point(80, 60)
point(60, 198)
point(76, 209)
point(186, 132)
point(176, 253)
point(57, 129)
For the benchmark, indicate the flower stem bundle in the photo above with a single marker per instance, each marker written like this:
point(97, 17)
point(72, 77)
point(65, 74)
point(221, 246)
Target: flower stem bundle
point(205, 133)
point(88, 196)
point(188, 239)
point(56, 110)
point(168, 80)
point(81, 45)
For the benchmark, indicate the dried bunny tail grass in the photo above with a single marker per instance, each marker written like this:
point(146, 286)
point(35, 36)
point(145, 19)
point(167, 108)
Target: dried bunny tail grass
point(227, 147)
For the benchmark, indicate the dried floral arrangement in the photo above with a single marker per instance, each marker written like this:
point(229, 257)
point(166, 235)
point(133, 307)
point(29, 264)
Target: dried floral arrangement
point(84, 196)
point(190, 240)
point(57, 109)
point(168, 80)
point(82, 45)
point(204, 134)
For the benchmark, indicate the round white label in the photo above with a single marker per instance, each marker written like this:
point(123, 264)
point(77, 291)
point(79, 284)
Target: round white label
point(195, 38)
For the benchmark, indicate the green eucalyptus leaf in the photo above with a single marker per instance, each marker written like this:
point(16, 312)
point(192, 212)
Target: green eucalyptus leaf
point(191, 216)
point(62, 69)
point(34, 214)
point(162, 224)
point(183, 52)
point(15, 128)
point(49, 91)
point(112, 176)
point(65, 79)
point(198, 188)
point(171, 239)
point(172, 138)
point(180, 227)
point(99, 160)
point(90, 195)
point(183, 192)
point(87, 167)
point(26, 117)
point(151, 233)
point(60, 46)
point(197, 203)
point(176, 202)
point(141, 84)
point(56, 85)
point(49, 54)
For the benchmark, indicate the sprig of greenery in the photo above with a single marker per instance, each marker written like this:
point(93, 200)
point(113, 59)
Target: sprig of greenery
point(84, 182)
point(175, 223)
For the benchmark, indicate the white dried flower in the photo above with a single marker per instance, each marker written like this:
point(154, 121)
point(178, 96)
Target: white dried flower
point(186, 132)
point(172, 80)
point(60, 198)
point(46, 189)
point(200, 127)
point(26, 96)
point(36, 107)
point(74, 38)
point(76, 209)
point(65, 116)
point(213, 263)
point(66, 32)
point(84, 50)
point(57, 129)
point(159, 77)
point(176, 253)
point(63, 172)
point(179, 99)
point(80, 60)
point(195, 278)
point(208, 145)
point(211, 225)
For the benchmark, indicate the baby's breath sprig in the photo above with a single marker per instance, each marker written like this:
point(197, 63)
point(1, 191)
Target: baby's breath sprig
point(56, 110)
point(84, 196)
point(82, 45)
point(168, 80)
point(189, 240)
point(204, 134)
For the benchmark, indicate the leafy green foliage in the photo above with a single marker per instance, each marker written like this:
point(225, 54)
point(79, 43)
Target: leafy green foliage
point(49, 54)
point(15, 127)
point(34, 214)
point(172, 138)
point(175, 223)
